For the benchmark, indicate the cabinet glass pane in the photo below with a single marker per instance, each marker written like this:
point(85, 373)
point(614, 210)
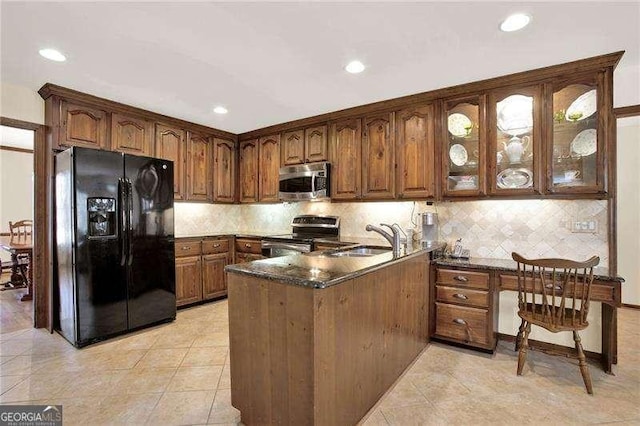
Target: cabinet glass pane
point(575, 141)
point(462, 122)
point(514, 162)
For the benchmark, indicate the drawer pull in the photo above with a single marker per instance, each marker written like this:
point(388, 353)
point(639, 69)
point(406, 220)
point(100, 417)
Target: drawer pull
point(460, 296)
point(186, 248)
point(247, 245)
point(550, 286)
point(460, 321)
point(461, 278)
point(216, 245)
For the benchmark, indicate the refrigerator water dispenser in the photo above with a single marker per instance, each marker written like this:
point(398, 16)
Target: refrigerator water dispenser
point(102, 217)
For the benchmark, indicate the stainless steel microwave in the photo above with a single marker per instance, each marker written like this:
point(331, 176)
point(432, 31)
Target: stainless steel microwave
point(305, 182)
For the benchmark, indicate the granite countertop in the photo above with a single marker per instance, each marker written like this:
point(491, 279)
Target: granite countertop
point(508, 265)
point(317, 269)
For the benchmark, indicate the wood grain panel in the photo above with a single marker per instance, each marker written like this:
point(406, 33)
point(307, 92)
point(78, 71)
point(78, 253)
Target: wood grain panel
point(469, 325)
point(462, 296)
point(213, 246)
point(315, 144)
point(415, 149)
point(214, 279)
point(269, 167)
point(83, 126)
point(324, 357)
point(378, 167)
point(170, 145)
point(248, 245)
point(224, 171)
point(463, 278)
point(131, 135)
point(292, 147)
point(199, 173)
point(346, 159)
point(188, 280)
point(249, 171)
point(601, 291)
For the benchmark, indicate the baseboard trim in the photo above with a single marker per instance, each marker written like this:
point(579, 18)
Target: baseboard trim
point(630, 306)
point(551, 348)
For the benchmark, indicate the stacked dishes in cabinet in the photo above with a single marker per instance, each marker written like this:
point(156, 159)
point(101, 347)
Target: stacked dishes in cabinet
point(463, 308)
point(462, 125)
point(575, 136)
point(515, 149)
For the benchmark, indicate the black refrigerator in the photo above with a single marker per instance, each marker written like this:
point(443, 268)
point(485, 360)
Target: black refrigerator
point(114, 243)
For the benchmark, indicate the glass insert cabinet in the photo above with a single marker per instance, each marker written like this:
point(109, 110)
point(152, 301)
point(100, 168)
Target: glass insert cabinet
point(545, 138)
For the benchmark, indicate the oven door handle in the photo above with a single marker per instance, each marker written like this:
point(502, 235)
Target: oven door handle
point(302, 248)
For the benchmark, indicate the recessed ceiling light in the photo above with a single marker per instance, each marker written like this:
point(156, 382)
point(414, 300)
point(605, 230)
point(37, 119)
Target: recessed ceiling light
point(220, 110)
point(515, 22)
point(53, 55)
point(354, 67)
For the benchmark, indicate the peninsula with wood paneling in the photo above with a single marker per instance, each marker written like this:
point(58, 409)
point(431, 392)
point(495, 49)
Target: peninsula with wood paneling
point(317, 339)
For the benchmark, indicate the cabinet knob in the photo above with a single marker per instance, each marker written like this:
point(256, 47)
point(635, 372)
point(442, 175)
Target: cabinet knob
point(216, 245)
point(247, 245)
point(460, 321)
point(185, 247)
point(460, 296)
point(461, 278)
point(551, 286)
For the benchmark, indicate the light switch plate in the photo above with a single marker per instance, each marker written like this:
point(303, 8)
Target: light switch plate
point(585, 226)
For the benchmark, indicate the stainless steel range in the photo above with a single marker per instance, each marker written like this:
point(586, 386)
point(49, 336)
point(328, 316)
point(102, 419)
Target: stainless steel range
point(305, 230)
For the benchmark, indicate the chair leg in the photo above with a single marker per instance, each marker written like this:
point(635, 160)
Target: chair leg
point(582, 362)
point(524, 346)
point(519, 335)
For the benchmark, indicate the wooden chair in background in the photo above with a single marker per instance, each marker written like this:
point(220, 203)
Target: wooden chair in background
point(22, 229)
point(19, 231)
point(554, 294)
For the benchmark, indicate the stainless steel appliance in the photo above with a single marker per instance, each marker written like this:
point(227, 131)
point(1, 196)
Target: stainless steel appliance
point(114, 243)
point(305, 182)
point(306, 229)
point(429, 229)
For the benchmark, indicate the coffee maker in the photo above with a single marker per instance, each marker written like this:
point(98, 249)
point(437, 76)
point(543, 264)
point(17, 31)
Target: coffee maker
point(429, 229)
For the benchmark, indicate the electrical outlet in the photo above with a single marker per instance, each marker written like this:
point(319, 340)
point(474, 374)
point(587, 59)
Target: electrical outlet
point(585, 226)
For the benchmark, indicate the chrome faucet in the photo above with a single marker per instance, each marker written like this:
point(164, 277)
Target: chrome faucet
point(393, 238)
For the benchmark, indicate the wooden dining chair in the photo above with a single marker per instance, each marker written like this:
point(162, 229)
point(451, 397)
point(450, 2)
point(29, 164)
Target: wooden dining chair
point(22, 229)
point(554, 294)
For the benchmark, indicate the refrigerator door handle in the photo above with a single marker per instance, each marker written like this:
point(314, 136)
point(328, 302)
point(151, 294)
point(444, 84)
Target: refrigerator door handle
point(122, 188)
point(130, 221)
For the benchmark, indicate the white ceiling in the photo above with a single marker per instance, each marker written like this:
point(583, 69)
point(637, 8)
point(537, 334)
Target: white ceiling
point(274, 62)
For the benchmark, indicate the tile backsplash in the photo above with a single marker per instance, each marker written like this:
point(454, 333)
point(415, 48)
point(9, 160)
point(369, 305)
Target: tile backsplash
point(488, 228)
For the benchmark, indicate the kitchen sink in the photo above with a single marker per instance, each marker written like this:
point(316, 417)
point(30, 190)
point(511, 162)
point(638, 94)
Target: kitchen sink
point(363, 251)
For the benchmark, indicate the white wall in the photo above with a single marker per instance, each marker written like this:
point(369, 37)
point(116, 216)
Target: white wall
point(21, 103)
point(628, 217)
point(16, 189)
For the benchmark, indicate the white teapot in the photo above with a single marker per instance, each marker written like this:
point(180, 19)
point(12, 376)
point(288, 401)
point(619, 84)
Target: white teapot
point(515, 148)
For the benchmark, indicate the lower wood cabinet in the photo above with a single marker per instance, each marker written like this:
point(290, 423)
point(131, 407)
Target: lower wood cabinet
point(248, 249)
point(200, 269)
point(465, 307)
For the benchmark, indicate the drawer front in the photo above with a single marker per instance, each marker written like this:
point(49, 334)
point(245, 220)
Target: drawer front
point(463, 278)
point(215, 246)
point(245, 245)
point(468, 325)
point(600, 291)
point(462, 296)
point(187, 248)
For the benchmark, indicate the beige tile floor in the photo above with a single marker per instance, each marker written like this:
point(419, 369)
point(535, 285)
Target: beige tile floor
point(179, 374)
point(14, 314)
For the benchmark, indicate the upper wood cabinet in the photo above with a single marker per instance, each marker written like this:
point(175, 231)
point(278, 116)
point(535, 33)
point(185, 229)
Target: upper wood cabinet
point(304, 145)
point(346, 159)
point(170, 145)
point(199, 173)
point(82, 126)
point(378, 167)
point(575, 135)
point(292, 147)
point(249, 171)
point(224, 171)
point(269, 168)
point(415, 152)
point(131, 135)
point(515, 141)
point(315, 144)
point(464, 159)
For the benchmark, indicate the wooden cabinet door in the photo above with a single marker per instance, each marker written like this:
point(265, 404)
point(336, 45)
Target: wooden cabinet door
point(214, 279)
point(188, 280)
point(224, 171)
point(269, 168)
point(378, 167)
point(415, 152)
point(131, 135)
point(249, 171)
point(170, 146)
point(346, 156)
point(83, 126)
point(293, 147)
point(199, 174)
point(315, 144)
